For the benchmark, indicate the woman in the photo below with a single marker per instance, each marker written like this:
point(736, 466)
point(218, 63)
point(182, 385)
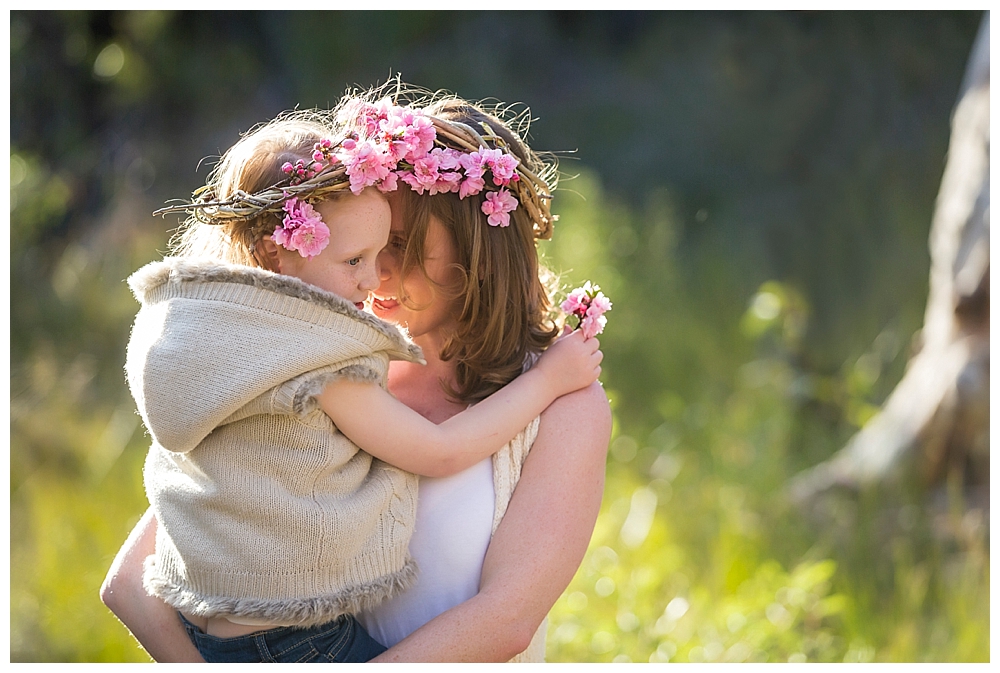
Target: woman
point(470, 296)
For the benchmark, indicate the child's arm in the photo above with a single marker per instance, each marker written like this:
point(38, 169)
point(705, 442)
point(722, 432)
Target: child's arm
point(556, 501)
point(389, 430)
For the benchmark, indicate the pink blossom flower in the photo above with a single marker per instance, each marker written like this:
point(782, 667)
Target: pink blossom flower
point(424, 174)
point(471, 185)
point(364, 116)
point(409, 178)
point(498, 205)
point(366, 163)
point(448, 175)
point(299, 171)
point(489, 156)
point(503, 168)
point(448, 181)
point(448, 159)
point(593, 325)
point(302, 229)
point(388, 183)
point(419, 137)
point(408, 133)
point(600, 303)
point(589, 305)
point(576, 302)
point(473, 163)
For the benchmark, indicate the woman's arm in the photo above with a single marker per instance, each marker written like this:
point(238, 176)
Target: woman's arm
point(153, 623)
point(537, 547)
point(388, 429)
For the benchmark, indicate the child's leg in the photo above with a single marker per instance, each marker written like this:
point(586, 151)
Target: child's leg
point(342, 640)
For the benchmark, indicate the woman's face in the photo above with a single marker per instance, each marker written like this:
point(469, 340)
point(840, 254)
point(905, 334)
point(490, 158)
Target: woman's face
point(433, 311)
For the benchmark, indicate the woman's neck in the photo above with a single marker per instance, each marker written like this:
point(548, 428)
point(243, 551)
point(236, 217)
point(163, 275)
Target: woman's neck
point(420, 386)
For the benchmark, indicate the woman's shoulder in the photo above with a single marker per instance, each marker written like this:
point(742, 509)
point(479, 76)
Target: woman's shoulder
point(579, 421)
point(588, 406)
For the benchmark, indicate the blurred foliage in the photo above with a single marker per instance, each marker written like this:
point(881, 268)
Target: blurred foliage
point(752, 190)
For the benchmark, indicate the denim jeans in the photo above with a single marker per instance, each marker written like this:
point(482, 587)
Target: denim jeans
point(342, 640)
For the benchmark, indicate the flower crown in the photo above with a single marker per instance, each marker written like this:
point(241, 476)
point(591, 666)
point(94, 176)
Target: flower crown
point(386, 143)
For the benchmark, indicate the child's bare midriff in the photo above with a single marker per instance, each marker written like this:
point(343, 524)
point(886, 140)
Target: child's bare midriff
point(220, 627)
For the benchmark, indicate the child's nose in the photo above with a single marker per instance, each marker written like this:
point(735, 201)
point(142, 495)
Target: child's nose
point(370, 281)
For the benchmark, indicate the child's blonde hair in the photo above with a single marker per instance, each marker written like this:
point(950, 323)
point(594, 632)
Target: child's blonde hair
point(251, 165)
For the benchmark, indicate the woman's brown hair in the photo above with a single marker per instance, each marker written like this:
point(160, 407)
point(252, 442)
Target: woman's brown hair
point(503, 306)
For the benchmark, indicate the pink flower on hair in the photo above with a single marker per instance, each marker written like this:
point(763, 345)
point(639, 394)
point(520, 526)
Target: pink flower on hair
point(417, 137)
point(301, 229)
point(388, 183)
point(448, 159)
point(449, 164)
point(362, 116)
point(499, 205)
point(409, 134)
point(471, 186)
point(448, 181)
point(504, 169)
point(424, 174)
point(503, 166)
point(589, 305)
point(366, 163)
point(473, 163)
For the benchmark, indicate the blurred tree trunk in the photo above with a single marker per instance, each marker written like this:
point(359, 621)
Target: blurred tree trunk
point(936, 421)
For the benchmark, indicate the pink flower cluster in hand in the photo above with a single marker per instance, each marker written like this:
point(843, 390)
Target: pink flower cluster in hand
point(392, 143)
point(589, 305)
point(301, 229)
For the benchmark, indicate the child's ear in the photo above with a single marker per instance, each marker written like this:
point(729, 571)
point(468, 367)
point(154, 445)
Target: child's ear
point(269, 254)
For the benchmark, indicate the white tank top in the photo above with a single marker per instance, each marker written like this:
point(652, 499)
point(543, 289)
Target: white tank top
point(452, 531)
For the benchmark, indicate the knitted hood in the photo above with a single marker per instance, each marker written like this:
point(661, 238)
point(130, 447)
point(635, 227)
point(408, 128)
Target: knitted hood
point(212, 337)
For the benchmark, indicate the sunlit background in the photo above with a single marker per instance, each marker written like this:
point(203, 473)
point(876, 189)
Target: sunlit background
point(754, 192)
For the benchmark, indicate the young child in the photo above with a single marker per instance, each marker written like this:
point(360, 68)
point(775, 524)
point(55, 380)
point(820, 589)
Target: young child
point(277, 465)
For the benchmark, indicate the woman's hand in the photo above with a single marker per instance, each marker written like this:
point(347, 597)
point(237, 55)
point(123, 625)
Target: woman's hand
point(571, 363)
point(152, 622)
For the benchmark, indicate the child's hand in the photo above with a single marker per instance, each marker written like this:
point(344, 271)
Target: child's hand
point(571, 363)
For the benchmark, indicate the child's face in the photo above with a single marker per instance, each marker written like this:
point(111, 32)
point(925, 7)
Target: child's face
point(348, 267)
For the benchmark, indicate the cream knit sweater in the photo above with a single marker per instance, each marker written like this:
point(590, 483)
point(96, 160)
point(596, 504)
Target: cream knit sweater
point(265, 510)
point(507, 463)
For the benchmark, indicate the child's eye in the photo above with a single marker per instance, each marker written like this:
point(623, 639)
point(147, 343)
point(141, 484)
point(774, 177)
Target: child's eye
point(355, 261)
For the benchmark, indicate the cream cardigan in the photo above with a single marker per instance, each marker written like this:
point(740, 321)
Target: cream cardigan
point(507, 465)
point(265, 510)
